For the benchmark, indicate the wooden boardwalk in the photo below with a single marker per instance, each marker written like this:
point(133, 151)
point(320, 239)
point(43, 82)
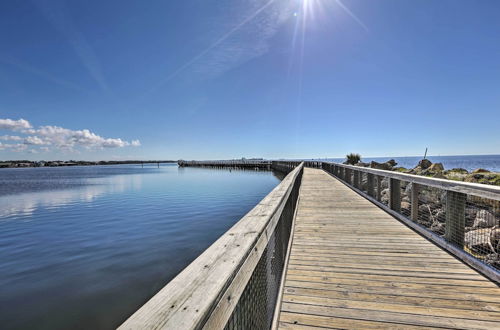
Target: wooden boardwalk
point(354, 266)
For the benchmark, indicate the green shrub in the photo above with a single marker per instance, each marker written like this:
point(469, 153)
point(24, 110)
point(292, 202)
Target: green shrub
point(353, 159)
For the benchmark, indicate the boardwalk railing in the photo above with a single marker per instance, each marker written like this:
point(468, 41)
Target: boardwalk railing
point(461, 217)
point(287, 166)
point(282, 166)
point(235, 283)
point(233, 163)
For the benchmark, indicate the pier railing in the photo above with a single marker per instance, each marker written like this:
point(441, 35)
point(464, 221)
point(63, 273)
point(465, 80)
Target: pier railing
point(461, 217)
point(232, 163)
point(235, 283)
point(281, 165)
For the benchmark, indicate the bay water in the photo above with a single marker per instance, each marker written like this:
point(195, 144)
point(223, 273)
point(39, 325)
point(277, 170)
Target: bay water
point(84, 247)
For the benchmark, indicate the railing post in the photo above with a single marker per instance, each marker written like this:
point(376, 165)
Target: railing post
point(370, 184)
point(395, 194)
point(356, 179)
point(379, 187)
point(414, 200)
point(348, 176)
point(455, 217)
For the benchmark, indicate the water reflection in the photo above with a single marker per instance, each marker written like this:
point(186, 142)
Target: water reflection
point(85, 247)
point(25, 204)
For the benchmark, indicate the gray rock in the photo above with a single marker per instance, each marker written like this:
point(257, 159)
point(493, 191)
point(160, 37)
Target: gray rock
point(458, 170)
point(385, 196)
point(480, 170)
point(479, 240)
point(484, 219)
point(380, 166)
point(391, 162)
point(436, 167)
point(495, 239)
point(431, 196)
point(424, 164)
point(362, 164)
point(493, 259)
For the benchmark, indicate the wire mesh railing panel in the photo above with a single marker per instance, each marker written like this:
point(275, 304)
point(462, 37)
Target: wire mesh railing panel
point(405, 198)
point(256, 305)
point(482, 229)
point(384, 190)
point(364, 182)
point(431, 209)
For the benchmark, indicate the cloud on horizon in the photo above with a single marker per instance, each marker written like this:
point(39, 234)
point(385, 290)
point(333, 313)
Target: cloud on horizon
point(55, 138)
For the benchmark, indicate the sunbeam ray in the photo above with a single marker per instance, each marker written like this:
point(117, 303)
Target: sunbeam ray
point(212, 46)
point(353, 16)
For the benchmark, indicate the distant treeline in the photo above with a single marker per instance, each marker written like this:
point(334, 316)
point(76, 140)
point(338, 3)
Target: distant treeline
point(29, 163)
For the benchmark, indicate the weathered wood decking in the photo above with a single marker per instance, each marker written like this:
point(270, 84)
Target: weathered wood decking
point(354, 266)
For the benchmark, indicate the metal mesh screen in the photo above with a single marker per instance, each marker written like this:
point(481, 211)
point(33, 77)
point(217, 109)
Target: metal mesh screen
point(384, 190)
point(431, 209)
point(482, 229)
point(405, 198)
point(255, 308)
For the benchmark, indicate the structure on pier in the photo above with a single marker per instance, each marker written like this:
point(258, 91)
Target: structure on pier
point(339, 246)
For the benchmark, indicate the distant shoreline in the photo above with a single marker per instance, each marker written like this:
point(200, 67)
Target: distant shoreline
point(57, 163)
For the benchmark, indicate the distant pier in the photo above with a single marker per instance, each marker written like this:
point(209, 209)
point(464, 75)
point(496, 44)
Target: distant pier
point(238, 163)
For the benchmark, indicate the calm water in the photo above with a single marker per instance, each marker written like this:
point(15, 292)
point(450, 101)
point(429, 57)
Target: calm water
point(489, 162)
point(84, 247)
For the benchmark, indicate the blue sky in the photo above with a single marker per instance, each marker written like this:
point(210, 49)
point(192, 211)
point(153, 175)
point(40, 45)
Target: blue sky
point(212, 79)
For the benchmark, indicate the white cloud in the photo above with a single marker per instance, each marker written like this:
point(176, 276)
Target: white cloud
point(13, 147)
point(11, 138)
point(33, 140)
point(58, 137)
point(14, 125)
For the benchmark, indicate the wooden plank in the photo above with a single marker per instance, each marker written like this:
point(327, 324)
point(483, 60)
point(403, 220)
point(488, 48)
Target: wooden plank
point(449, 311)
point(398, 317)
point(305, 321)
point(429, 298)
point(391, 277)
point(385, 266)
point(352, 265)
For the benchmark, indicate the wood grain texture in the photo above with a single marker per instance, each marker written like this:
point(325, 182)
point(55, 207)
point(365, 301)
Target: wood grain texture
point(354, 266)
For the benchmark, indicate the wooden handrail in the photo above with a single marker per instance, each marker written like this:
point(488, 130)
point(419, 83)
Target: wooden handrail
point(476, 189)
point(205, 293)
